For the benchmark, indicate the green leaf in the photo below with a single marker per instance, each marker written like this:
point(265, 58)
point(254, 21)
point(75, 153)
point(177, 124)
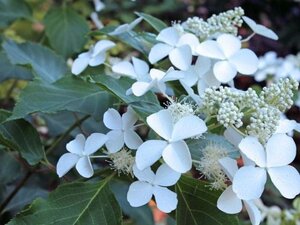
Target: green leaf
point(141, 42)
point(10, 168)
point(10, 71)
point(11, 10)
point(144, 105)
point(74, 204)
point(197, 204)
point(19, 135)
point(70, 93)
point(156, 23)
point(45, 63)
point(66, 30)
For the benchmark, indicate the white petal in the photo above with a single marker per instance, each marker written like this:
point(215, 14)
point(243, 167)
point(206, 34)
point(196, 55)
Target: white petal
point(76, 146)
point(253, 212)
point(139, 193)
point(102, 46)
point(129, 119)
point(189, 39)
point(140, 88)
point(228, 202)
point(210, 79)
point(112, 119)
point(132, 139)
point(181, 57)
point(146, 175)
point(245, 61)
point(224, 71)
point(173, 75)
point(66, 162)
point(166, 200)
point(229, 166)
point(281, 150)
point(115, 141)
point(169, 35)
point(286, 179)
point(149, 152)
point(202, 65)
point(233, 136)
point(158, 52)
point(84, 167)
point(156, 74)
point(249, 182)
point(141, 67)
point(210, 49)
point(229, 44)
point(80, 63)
point(259, 29)
point(124, 68)
point(177, 155)
point(286, 126)
point(97, 59)
point(165, 176)
point(187, 127)
point(94, 142)
point(189, 77)
point(254, 150)
point(161, 122)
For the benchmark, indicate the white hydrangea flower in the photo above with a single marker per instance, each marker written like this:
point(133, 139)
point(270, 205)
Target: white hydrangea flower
point(99, 5)
point(260, 29)
point(94, 57)
point(267, 65)
point(126, 27)
point(199, 74)
point(140, 192)
point(232, 59)
point(229, 202)
point(80, 150)
point(173, 149)
point(280, 150)
point(156, 80)
point(122, 130)
point(287, 126)
point(179, 48)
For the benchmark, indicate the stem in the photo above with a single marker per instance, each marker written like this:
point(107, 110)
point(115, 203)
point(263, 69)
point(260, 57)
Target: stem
point(71, 128)
point(15, 191)
point(248, 38)
point(195, 161)
point(106, 64)
point(79, 125)
point(138, 125)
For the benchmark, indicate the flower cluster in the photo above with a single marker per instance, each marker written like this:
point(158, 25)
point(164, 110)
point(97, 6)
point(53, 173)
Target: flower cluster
point(203, 58)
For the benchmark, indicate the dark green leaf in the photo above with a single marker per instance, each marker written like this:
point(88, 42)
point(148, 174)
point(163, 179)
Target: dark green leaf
point(59, 122)
point(157, 24)
point(9, 168)
point(197, 204)
point(70, 93)
point(45, 63)
point(141, 215)
point(144, 106)
point(10, 71)
point(11, 10)
point(66, 30)
point(74, 204)
point(19, 135)
point(141, 42)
